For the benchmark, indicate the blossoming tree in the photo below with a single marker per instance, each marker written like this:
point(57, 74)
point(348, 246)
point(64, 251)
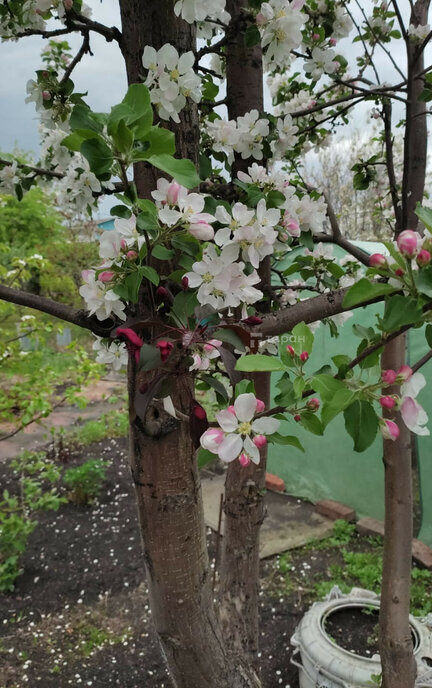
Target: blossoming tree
point(195, 283)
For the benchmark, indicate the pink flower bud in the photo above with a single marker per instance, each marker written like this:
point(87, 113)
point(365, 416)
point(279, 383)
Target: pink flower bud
point(105, 276)
point(389, 430)
point(408, 242)
point(185, 282)
point(388, 376)
point(404, 373)
point(201, 230)
point(291, 225)
point(332, 42)
point(423, 258)
point(260, 441)
point(173, 193)
point(211, 439)
point(165, 349)
point(231, 409)
point(131, 255)
point(315, 36)
point(297, 418)
point(261, 19)
point(198, 411)
point(46, 95)
point(260, 406)
point(313, 404)
point(123, 244)
point(283, 236)
point(399, 272)
point(244, 459)
point(161, 292)
point(290, 350)
point(304, 356)
point(377, 260)
point(387, 402)
point(212, 345)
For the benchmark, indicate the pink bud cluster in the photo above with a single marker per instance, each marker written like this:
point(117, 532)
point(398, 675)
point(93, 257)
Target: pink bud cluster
point(389, 429)
point(410, 245)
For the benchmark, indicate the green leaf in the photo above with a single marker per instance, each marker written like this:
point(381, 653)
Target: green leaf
point(83, 118)
point(225, 334)
point(290, 440)
point(363, 290)
point(149, 357)
point(423, 280)
point(252, 36)
point(205, 167)
point(98, 154)
point(339, 402)
point(159, 141)
point(286, 396)
point(183, 171)
point(302, 338)
point(244, 387)
point(123, 137)
point(299, 384)
point(184, 305)
point(204, 457)
point(135, 109)
point(217, 385)
point(121, 211)
point(162, 253)
point(306, 239)
point(400, 311)
point(428, 335)
point(361, 422)
point(73, 142)
point(150, 273)
point(275, 199)
point(424, 214)
point(311, 422)
point(147, 219)
point(259, 363)
point(397, 257)
point(327, 386)
point(186, 244)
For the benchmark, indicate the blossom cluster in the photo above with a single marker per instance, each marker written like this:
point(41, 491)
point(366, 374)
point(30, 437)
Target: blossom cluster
point(201, 10)
point(34, 14)
point(280, 24)
point(413, 415)
point(170, 79)
point(244, 136)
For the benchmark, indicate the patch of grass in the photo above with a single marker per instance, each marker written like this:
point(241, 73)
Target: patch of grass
point(112, 424)
point(342, 534)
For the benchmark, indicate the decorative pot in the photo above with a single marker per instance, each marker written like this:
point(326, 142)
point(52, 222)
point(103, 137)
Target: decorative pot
point(324, 664)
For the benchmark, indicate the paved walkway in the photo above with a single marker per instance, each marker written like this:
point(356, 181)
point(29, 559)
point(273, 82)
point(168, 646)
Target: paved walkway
point(37, 435)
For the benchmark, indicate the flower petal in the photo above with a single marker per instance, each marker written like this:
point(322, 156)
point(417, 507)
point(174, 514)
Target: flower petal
point(412, 387)
point(245, 407)
point(251, 450)
point(230, 448)
point(227, 421)
point(414, 416)
point(265, 426)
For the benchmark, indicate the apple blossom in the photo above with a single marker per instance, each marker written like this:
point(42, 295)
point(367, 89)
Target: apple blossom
point(414, 416)
point(388, 376)
point(240, 430)
point(377, 260)
point(423, 257)
point(387, 402)
point(112, 354)
point(100, 301)
point(211, 439)
point(304, 356)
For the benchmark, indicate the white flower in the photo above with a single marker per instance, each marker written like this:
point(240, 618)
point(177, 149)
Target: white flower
point(322, 61)
point(240, 430)
point(100, 300)
point(413, 415)
point(171, 80)
point(189, 214)
point(281, 31)
point(286, 137)
point(418, 33)
point(198, 10)
point(113, 354)
point(342, 25)
point(251, 132)
point(224, 136)
point(9, 178)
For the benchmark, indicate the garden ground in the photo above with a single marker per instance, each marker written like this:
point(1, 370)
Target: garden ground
point(79, 614)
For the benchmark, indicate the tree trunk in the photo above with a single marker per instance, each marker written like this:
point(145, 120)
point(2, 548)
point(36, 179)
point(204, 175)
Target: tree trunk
point(162, 456)
point(396, 646)
point(415, 143)
point(244, 487)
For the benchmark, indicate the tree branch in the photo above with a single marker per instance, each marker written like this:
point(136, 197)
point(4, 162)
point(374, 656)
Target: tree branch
point(85, 48)
point(387, 114)
point(57, 310)
point(41, 171)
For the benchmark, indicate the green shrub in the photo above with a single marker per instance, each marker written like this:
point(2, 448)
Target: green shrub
point(85, 481)
point(37, 491)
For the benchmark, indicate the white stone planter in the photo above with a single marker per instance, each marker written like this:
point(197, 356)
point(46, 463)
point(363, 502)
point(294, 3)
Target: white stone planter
point(323, 664)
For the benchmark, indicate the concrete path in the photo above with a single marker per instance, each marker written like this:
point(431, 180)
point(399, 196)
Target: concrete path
point(290, 522)
point(36, 435)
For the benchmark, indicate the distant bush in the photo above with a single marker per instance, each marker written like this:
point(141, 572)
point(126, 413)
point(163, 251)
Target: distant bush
point(85, 481)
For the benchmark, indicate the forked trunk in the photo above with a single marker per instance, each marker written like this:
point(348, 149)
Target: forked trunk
point(396, 645)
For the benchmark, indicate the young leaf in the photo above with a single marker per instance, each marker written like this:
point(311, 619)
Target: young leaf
point(311, 422)
point(290, 440)
point(98, 154)
point(363, 290)
point(259, 363)
point(361, 422)
point(183, 171)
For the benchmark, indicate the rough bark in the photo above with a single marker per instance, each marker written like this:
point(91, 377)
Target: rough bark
point(171, 518)
point(415, 143)
point(396, 648)
point(244, 488)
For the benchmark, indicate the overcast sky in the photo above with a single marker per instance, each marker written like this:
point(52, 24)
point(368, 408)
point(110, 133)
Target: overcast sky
point(102, 75)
